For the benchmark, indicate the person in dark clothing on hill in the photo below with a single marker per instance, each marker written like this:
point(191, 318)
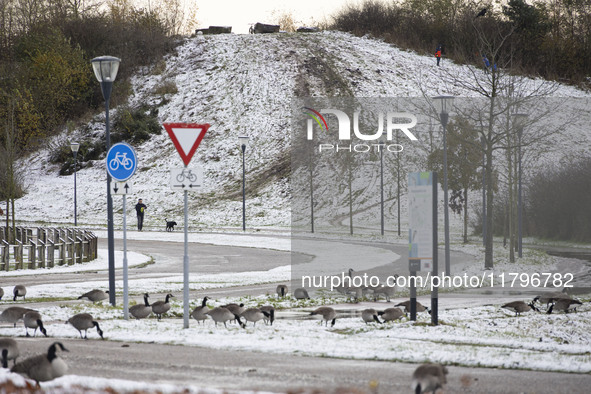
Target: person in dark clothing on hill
point(140, 207)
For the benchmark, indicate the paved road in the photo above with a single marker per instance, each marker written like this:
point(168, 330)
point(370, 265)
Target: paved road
point(229, 369)
point(168, 260)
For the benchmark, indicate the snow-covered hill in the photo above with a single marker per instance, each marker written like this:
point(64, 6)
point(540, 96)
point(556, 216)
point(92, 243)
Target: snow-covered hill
point(241, 85)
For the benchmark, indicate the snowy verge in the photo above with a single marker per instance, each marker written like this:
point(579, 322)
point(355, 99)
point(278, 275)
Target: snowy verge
point(100, 263)
point(10, 382)
point(485, 336)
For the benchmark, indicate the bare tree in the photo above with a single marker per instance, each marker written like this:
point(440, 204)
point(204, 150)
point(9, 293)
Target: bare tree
point(177, 16)
point(502, 94)
point(10, 176)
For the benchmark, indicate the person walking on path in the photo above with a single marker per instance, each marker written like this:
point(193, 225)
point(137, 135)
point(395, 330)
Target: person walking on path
point(140, 207)
point(438, 53)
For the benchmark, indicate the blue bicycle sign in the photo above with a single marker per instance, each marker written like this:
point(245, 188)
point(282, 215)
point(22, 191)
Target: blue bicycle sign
point(121, 159)
point(121, 162)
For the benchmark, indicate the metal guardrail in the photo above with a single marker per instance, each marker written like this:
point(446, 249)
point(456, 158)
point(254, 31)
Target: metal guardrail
point(46, 247)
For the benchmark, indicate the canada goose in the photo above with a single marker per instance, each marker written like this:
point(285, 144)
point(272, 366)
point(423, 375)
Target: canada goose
point(387, 291)
point(351, 292)
point(301, 294)
point(9, 351)
point(370, 315)
point(95, 295)
point(13, 314)
point(140, 311)
point(43, 367)
point(222, 315)
point(551, 297)
point(271, 311)
point(19, 291)
point(428, 377)
point(546, 297)
point(519, 307)
point(341, 289)
point(406, 305)
point(254, 315)
point(32, 319)
point(235, 308)
point(281, 290)
point(200, 312)
point(391, 314)
point(327, 314)
point(563, 305)
point(84, 321)
point(356, 292)
point(161, 307)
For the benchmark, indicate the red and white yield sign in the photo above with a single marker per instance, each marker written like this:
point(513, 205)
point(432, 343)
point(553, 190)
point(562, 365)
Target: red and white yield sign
point(186, 137)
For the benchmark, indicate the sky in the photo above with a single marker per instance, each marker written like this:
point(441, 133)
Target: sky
point(242, 14)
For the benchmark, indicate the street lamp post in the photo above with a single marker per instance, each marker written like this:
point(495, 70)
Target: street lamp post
point(105, 69)
point(382, 145)
point(445, 104)
point(311, 171)
point(243, 140)
point(75, 146)
point(483, 141)
point(519, 120)
point(398, 185)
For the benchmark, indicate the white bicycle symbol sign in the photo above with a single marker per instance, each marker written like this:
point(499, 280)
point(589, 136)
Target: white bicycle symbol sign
point(186, 174)
point(121, 159)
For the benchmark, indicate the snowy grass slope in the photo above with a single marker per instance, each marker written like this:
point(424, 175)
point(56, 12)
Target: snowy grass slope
point(240, 84)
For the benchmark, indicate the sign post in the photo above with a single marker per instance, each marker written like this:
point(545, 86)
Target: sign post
point(186, 138)
point(121, 165)
point(125, 268)
point(422, 251)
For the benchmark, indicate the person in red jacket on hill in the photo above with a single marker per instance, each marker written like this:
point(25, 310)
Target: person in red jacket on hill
point(438, 53)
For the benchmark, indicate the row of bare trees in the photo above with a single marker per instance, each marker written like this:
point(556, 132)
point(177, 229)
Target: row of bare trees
point(551, 38)
point(487, 137)
point(566, 187)
point(507, 129)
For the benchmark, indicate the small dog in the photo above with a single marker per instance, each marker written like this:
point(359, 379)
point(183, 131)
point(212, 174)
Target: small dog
point(170, 225)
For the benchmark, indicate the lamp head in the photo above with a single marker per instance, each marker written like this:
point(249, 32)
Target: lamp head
point(243, 141)
point(74, 146)
point(105, 68)
point(444, 104)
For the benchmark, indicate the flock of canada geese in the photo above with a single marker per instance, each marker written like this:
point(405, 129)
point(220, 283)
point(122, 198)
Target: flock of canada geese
point(48, 366)
point(558, 301)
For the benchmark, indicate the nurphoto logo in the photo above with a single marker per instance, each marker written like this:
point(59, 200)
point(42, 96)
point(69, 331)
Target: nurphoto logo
point(402, 121)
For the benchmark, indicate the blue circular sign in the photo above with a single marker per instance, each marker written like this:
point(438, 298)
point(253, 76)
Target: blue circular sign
point(121, 162)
